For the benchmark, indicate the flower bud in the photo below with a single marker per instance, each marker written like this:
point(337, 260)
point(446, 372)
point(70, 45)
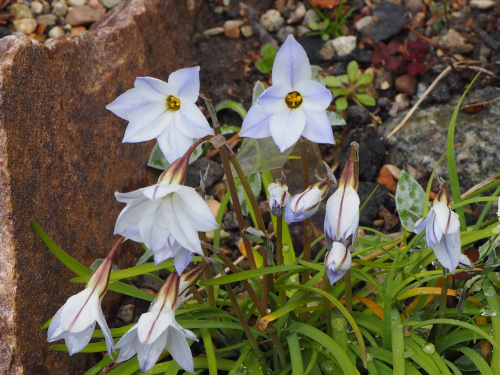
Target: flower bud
point(337, 262)
point(189, 278)
point(443, 195)
point(303, 206)
point(350, 172)
point(279, 197)
point(168, 294)
point(176, 172)
point(465, 263)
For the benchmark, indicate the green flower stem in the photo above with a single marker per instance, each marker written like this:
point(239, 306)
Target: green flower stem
point(307, 223)
point(260, 307)
point(244, 324)
point(279, 249)
point(348, 291)
point(230, 181)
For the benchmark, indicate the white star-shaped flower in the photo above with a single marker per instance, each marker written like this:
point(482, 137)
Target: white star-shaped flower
point(166, 111)
point(294, 105)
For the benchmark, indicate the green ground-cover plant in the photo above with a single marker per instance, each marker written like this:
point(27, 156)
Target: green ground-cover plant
point(329, 28)
point(375, 304)
point(350, 87)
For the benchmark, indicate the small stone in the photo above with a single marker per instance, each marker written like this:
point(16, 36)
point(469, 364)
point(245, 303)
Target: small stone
point(328, 51)
point(310, 16)
point(297, 15)
point(301, 31)
point(25, 25)
point(440, 93)
point(363, 23)
point(20, 10)
point(214, 206)
point(4, 31)
point(358, 115)
point(272, 20)
point(344, 45)
point(77, 30)
point(47, 19)
point(455, 42)
point(246, 31)
point(77, 3)
point(82, 15)
point(484, 53)
point(232, 28)
point(59, 9)
point(110, 3)
point(230, 222)
point(213, 31)
point(378, 223)
point(283, 33)
point(482, 4)
point(385, 178)
point(96, 4)
point(406, 84)
point(383, 80)
point(414, 6)
point(126, 313)
point(219, 190)
point(37, 7)
point(388, 21)
point(56, 32)
point(421, 89)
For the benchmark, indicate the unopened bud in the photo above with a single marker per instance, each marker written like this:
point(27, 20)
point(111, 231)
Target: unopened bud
point(303, 206)
point(279, 197)
point(443, 195)
point(176, 172)
point(189, 278)
point(350, 172)
point(169, 292)
point(337, 262)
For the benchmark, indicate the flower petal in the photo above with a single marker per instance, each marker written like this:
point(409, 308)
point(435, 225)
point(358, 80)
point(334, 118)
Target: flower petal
point(202, 219)
point(186, 83)
point(106, 331)
point(191, 122)
point(78, 340)
point(448, 251)
point(180, 350)
point(316, 97)
point(318, 128)
point(273, 99)
point(129, 104)
point(148, 354)
point(147, 127)
point(447, 219)
point(286, 128)
point(128, 345)
point(160, 190)
point(256, 123)
point(153, 88)
point(152, 324)
point(80, 311)
point(134, 212)
point(182, 259)
point(342, 214)
point(173, 143)
point(55, 328)
point(291, 64)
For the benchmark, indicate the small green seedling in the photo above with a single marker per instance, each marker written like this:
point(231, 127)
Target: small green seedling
point(328, 28)
point(350, 86)
point(265, 66)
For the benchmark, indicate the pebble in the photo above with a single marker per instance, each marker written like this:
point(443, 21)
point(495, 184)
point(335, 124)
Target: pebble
point(328, 51)
point(213, 31)
point(77, 3)
point(344, 45)
point(482, 4)
point(37, 7)
point(20, 10)
point(282, 34)
point(56, 32)
point(232, 28)
point(358, 115)
point(407, 84)
point(82, 15)
point(126, 313)
point(25, 25)
point(310, 16)
point(47, 19)
point(363, 23)
point(110, 3)
point(272, 20)
point(59, 9)
point(455, 42)
point(246, 31)
point(77, 30)
point(301, 31)
point(297, 15)
point(388, 21)
point(95, 4)
point(383, 80)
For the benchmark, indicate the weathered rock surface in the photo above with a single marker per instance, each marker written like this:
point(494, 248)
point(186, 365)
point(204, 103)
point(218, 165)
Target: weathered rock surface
point(422, 140)
point(61, 160)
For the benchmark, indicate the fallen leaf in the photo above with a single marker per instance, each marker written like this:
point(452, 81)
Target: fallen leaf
point(322, 4)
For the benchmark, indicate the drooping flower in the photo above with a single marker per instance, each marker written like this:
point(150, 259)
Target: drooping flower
point(302, 206)
point(279, 197)
point(75, 320)
point(166, 217)
point(337, 262)
point(294, 105)
point(157, 329)
point(342, 208)
point(166, 111)
point(442, 231)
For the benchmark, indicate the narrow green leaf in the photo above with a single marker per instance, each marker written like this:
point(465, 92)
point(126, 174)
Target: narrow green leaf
point(130, 290)
point(352, 71)
point(209, 350)
point(99, 366)
point(480, 363)
point(326, 341)
point(494, 304)
point(232, 105)
point(295, 354)
point(398, 343)
point(450, 156)
point(64, 257)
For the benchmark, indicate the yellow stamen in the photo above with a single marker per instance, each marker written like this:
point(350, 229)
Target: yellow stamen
point(173, 103)
point(293, 100)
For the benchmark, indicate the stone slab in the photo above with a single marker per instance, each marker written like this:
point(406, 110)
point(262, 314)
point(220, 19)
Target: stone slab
point(61, 159)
